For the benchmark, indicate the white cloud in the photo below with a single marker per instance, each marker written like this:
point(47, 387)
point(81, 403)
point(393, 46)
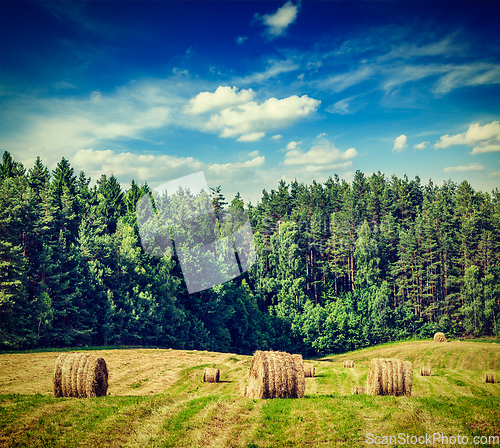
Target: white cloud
point(276, 137)
point(444, 47)
point(324, 153)
point(292, 145)
point(346, 106)
point(241, 39)
point(476, 74)
point(484, 139)
point(95, 95)
point(252, 137)
point(223, 97)
point(469, 167)
point(63, 85)
point(399, 143)
point(279, 21)
point(422, 145)
point(253, 153)
point(275, 68)
point(252, 117)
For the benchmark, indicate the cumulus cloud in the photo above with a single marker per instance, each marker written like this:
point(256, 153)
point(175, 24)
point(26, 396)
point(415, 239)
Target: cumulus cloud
point(422, 145)
point(484, 139)
point(271, 114)
point(399, 143)
point(280, 20)
point(323, 154)
point(292, 145)
point(469, 167)
point(253, 153)
point(223, 97)
point(276, 137)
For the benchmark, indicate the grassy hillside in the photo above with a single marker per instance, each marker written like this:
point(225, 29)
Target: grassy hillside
point(156, 398)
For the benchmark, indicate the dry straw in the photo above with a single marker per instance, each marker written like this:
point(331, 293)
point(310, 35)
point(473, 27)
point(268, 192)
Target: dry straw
point(439, 337)
point(358, 390)
point(425, 371)
point(80, 375)
point(308, 370)
point(348, 364)
point(489, 378)
point(276, 375)
point(389, 377)
point(211, 375)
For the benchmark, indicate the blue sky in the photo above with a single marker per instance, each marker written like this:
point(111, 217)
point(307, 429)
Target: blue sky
point(253, 92)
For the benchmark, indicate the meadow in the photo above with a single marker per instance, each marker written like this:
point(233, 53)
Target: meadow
point(156, 399)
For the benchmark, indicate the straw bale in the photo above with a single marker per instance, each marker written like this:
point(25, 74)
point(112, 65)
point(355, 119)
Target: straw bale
point(439, 337)
point(57, 379)
point(308, 370)
point(67, 374)
point(398, 384)
point(348, 364)
point(358, 390)
point(211, 375)
point(96, 384)
point(408, 377)
point(374, 377)
point(425, 371)
point(276, 375)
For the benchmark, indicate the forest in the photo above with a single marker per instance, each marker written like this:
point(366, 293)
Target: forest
point(339, 266)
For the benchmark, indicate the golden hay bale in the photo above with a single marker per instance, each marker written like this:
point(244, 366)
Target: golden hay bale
point(80, 375)
point(425, 371)
point(358, 390)
point(489, 378)
point(276, 375)
point(57, 379)
point(389, 377)
point(308, 370)
point(348, 364)
point(407, 377)
point(439, 337)
point(299, 388)
point(211, 375)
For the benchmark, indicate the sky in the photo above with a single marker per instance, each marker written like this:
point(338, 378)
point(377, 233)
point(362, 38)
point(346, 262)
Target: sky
point(253, 92)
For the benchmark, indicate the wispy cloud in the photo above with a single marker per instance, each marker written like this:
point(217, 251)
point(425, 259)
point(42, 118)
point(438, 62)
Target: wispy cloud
point(421, 146)
point(275, 68)
point(469, 167)
point(241, 39)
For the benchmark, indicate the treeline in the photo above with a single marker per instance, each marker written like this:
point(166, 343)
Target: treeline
point(339, 266)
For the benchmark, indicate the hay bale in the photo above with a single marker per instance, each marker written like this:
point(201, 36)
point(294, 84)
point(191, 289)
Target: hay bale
point(358, 390)
point(425, 371)
point(211, 375)
point(96, 383)
point(439, 337)
point(348, 364)
point(299, 388)
point(80, 375)
point(57, 379)
point(276, 375)
point(489, 378)
point(389, 377)
point(308, 370)
point(407, 377)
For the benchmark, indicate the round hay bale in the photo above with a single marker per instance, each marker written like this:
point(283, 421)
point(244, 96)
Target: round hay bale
point(407, 377)
point(348, 364)
point(439, 337)
point(308, 370)
point(489, 378)
point(276, 375)
point(67, 375)
point(211, 375)
point(425, 371)
point(388, 377)
point(81, 375)
point(358, 390)
point(299, 387)
point(57, 379)
point(96, 381)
